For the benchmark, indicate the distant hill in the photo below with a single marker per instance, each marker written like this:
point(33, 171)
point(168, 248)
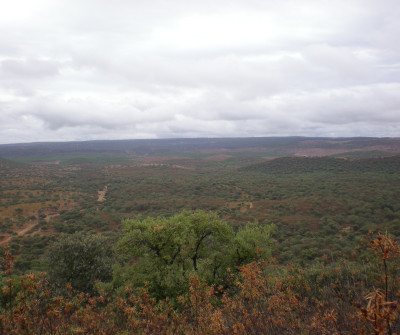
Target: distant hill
point(143, 147)
point(307, 146)
point(326, 164)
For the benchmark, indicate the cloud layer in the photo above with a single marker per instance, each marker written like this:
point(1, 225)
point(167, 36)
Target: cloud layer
point(77, 70)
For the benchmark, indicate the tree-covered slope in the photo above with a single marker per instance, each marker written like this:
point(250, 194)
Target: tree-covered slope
point(326, 164)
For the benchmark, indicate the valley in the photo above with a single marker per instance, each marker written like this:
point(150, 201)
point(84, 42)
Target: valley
point(321, 204)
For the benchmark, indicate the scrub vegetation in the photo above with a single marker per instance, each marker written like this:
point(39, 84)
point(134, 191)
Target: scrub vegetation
point(206, 237)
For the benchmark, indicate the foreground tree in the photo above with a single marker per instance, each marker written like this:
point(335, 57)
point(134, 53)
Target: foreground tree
point(80, 260)
point(165, 252)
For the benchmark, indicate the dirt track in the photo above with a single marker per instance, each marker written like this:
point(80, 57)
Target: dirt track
point(102, 194)
point(21, 232)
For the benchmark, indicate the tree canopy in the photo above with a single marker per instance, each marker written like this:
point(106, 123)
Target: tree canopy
point(80, 259)
point(165, 252)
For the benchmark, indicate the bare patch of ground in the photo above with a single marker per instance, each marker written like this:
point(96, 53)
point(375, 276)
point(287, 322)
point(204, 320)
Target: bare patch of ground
point(174, 166)
point(50, 216)
point(225, 150)
point(102, 194)
point(317, 152)
point(154, 159)
point(218, 158)
point(244, 206)
point(47, 163)
point(73, 168)
point(26, 229)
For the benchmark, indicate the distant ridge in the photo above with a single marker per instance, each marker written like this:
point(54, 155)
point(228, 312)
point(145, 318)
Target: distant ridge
point(309, 146)
point(144, 146)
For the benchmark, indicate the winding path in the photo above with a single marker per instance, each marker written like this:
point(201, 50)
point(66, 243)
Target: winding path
point(21, 232)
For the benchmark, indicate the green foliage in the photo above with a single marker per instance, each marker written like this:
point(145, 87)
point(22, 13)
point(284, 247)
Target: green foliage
point(80, 259)
point(321, 206)
point(167, 251)
point(253, 242)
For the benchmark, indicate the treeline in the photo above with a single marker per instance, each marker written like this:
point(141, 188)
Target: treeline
point(194, 273)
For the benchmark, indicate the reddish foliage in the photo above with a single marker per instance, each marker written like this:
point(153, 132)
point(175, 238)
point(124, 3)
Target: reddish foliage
point(258, 303)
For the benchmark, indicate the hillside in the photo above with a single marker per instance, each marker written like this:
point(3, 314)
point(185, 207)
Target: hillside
point(326, 164)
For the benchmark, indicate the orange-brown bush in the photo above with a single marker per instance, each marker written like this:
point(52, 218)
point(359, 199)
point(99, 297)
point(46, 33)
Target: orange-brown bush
point(381, 313)
point(257, 302)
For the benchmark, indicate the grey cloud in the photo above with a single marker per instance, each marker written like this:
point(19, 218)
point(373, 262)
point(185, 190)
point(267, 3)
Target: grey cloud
point(376, 104)
point(72, 113)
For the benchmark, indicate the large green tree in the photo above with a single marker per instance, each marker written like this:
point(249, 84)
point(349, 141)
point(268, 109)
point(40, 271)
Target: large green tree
point(164, 252)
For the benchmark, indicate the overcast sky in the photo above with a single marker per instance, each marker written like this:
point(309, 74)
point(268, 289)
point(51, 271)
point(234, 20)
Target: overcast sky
point(101, 69)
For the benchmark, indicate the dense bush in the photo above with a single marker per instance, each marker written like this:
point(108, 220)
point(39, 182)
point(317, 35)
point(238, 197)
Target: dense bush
point(80, 260)
point(266, 300)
